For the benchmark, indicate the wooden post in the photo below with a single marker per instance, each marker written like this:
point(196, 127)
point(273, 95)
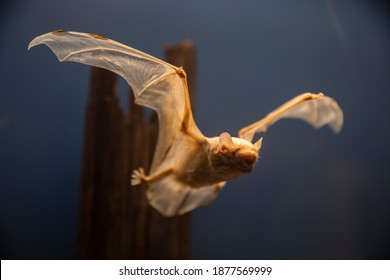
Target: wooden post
point(116, 221)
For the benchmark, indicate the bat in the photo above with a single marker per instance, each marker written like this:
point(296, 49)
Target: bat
point(188, 169)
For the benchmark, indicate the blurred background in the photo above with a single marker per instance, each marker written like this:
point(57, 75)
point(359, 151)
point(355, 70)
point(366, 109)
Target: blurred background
point(313, 195)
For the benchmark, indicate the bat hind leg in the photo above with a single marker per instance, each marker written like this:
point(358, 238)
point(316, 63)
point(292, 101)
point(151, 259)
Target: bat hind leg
point(138, 176)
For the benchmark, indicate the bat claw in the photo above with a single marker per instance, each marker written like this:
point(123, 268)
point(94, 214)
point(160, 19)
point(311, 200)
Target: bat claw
point(138, 177)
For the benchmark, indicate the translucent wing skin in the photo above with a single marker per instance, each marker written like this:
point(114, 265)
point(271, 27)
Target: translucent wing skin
point(156, 84)
point(162, 87)
point(315, 109)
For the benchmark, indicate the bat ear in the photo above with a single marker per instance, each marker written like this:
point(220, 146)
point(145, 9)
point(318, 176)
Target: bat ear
point(258, 144)
point(225, 142)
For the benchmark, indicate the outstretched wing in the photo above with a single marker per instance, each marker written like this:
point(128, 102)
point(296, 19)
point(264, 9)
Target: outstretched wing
point(156, 84)
point(316, 109)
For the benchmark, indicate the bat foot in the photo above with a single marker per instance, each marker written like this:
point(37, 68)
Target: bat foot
point(138, 177)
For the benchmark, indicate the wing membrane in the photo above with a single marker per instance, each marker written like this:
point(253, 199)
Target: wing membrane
point(316, 109)
point(156, 84)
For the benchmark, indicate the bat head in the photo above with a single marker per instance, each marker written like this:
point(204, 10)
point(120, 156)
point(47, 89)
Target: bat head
point(233, 156)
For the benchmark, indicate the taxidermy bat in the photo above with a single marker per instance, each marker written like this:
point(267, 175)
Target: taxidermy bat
point(188, 169)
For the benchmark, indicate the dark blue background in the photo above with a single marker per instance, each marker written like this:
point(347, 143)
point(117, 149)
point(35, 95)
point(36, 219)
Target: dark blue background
point(313, 194)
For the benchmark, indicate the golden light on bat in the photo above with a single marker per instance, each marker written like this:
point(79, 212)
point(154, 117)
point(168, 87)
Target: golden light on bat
point(188, 169)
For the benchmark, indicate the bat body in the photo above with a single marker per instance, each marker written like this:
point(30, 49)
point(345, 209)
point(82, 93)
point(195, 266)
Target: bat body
point(188, 169)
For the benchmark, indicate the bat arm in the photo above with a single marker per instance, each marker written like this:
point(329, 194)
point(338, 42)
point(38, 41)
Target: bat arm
point(51, 38)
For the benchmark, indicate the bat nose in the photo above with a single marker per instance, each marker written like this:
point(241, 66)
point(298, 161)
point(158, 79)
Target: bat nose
point(247, 162)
